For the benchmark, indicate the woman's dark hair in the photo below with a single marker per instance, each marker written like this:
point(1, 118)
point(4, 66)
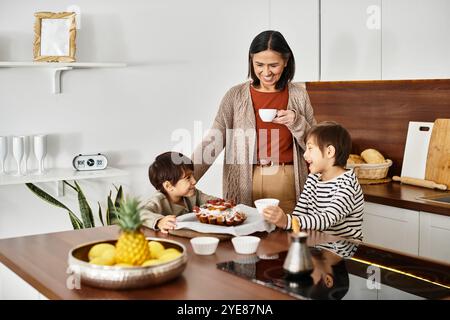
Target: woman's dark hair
point(272, 40)
point(168, 166)
point(331, 133)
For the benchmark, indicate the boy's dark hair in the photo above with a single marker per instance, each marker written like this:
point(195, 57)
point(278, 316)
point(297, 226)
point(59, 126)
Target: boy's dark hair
point(329, 133)
point(272, 40)
point(340, 284)
point(168, 166)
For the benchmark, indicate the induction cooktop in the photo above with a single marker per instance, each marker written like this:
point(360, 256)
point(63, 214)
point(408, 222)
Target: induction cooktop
point(343, 270)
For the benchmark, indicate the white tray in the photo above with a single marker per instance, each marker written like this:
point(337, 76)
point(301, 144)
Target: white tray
point(254, 223)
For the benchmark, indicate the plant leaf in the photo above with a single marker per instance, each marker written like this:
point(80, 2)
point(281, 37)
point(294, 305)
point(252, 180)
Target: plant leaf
point(111, 215)
point(100, 214)
point(65, 182)
point(119, 197)
point(85, 209)
point(76, 223)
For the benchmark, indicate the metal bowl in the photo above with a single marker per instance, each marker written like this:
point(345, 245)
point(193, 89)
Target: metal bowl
point(112, 277)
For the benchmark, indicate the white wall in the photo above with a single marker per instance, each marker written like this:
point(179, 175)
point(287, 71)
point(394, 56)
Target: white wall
point(182, 56)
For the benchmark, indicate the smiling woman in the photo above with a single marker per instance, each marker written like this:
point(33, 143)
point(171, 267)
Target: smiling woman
point(263, 156)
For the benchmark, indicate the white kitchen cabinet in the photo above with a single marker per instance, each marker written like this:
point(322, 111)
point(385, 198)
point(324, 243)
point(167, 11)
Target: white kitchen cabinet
point(350, 40)
point(359, 289)
point(416, 39)
point(298, 21)
point(391, 227)
point(434, 236)
point(13, 287)
point(389, 293)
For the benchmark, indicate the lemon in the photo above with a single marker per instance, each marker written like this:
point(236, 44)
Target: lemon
point(156, 249)
point(151, 262)
point(171, 250)
point(102, 261)
point(98, 250)
point(168, 256)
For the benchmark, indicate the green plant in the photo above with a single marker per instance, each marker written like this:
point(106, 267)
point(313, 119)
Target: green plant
point(87, 218)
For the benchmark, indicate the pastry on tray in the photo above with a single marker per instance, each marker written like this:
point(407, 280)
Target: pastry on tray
point(219, 212)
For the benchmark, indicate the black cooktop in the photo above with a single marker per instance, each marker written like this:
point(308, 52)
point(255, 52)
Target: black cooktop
point(345, 270)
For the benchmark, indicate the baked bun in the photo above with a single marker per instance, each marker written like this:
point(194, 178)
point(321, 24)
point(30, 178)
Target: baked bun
point(219, 212)
point(355, 159)
point(372, 156)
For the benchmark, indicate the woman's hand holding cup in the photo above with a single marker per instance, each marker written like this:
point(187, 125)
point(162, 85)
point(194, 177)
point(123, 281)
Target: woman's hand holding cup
point(285, 117)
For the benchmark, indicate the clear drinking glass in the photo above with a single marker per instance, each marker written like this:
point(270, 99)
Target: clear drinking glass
point(26, 153)
point(18, 151)
point(3, 152)
point(40, 151)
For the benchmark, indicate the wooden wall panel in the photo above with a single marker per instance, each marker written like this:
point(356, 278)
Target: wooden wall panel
point(377, 113)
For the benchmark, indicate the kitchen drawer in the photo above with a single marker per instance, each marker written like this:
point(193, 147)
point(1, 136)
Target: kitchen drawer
point(434, 236)
point(391, 227)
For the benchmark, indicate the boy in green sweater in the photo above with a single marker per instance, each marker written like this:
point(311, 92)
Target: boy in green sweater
point(172, 175)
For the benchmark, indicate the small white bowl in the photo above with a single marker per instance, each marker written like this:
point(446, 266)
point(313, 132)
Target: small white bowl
point(204, 245)
point(267, 115)
point(261, 204)
point(245, 244)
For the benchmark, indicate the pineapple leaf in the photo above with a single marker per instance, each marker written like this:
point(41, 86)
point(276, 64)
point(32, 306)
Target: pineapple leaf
point(76, 223)
point(100, 214)
point(85, 209)
point(129, 214)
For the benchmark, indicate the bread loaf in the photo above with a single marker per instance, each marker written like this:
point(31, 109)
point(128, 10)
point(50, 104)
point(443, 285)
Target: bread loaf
point(372, 156)
point(355, 159)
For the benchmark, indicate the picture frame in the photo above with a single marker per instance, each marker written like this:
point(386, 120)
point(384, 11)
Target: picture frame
point(54, 37)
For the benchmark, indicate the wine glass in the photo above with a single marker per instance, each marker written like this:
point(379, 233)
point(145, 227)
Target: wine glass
point(3, 152)
point(26, 154)
point(18, 151)
point(40, 151)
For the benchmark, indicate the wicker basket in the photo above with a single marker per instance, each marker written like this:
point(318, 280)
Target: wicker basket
point(371, 171)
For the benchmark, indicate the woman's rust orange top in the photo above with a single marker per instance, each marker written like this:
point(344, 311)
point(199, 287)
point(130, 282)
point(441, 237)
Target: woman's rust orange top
point(266, 148)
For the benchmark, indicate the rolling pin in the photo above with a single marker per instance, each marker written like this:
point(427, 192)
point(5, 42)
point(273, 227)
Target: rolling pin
point(420, 182)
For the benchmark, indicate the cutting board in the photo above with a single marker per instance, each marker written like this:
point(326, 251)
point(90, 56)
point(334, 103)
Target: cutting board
point(416, 149)
point(438, 160)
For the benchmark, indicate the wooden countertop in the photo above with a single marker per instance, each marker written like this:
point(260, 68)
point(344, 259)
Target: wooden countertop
point(41, 260)
point(405, 196)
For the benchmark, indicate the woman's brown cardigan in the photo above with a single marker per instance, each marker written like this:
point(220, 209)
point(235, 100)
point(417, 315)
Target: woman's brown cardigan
point(236, 112)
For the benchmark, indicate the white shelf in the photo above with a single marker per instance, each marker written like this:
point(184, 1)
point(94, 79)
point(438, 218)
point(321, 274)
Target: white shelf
point(57, 68)
point(58, 175)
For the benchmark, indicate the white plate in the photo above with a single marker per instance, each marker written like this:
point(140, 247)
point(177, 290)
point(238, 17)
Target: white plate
point(254, 223)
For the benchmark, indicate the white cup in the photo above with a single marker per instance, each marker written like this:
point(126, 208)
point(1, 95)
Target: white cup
point(204, 245)
point(267, 115)
point(261, 204)
point(18, 152)
point(3, 153)
point(245, 244)
point(40, 151)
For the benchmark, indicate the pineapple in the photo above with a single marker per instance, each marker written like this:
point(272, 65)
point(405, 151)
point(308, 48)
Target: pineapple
point(132, 247)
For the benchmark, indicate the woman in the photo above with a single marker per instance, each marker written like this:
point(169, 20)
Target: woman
point(262, 159)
